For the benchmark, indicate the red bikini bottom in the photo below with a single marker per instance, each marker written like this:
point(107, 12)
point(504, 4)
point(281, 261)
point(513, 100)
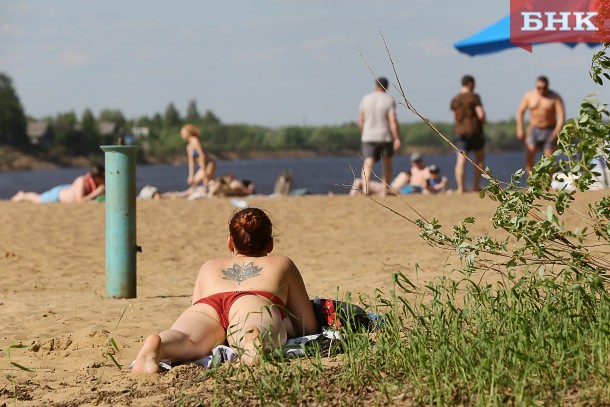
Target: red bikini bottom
point(222, 303)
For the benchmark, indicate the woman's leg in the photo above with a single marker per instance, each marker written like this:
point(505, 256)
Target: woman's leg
point(255, 325)
point(402, 179)
point(26, 196)
point(194, 334)
point(210, 170)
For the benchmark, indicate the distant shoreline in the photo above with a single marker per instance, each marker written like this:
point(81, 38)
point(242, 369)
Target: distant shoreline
point(13, 159)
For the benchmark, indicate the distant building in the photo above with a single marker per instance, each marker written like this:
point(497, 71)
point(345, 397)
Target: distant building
point(40, 133)
point(139, 132)
point(109, 131)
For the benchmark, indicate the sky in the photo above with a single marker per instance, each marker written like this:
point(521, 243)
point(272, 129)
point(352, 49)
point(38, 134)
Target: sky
point(269, 62)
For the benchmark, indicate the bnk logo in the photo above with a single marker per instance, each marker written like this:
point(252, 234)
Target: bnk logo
point(553, 21)
point(534, 21)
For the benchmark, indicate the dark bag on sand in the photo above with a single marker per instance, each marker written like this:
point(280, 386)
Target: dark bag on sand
point(339, 314)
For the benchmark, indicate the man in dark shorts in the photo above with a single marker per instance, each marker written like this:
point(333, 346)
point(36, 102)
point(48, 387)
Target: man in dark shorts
point(547, 115)
point(379, 133)
point(469, 119)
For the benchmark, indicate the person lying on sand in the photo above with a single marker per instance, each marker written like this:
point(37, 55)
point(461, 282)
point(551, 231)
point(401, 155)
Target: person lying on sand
point(251, 300)
point(84, 188)
point(228, 185)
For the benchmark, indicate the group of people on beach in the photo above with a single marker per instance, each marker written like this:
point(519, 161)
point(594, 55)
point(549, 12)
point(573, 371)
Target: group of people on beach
point(419, 178)
point(380, 137)
point(201, 180)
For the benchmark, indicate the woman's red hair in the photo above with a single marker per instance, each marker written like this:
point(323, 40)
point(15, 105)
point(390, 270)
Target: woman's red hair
point(251, 231)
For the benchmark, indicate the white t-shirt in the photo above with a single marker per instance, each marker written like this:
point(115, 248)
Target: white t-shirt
point(376, 107)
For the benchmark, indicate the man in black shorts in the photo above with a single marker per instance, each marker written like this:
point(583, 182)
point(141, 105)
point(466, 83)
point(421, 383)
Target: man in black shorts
point(379, 133)
point(469, 118)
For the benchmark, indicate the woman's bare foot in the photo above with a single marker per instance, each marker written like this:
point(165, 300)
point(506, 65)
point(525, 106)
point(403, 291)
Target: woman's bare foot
point(18, 197)
point(147, 360)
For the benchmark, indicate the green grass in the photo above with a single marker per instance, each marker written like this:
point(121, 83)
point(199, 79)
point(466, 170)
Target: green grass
point(525, 341)
point(14, 365)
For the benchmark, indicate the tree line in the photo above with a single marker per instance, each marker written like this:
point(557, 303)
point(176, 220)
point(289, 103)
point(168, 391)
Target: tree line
point(74, 135)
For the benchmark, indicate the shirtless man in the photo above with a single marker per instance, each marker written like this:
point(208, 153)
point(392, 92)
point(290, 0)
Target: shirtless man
point(83, 188)
point(547, 115)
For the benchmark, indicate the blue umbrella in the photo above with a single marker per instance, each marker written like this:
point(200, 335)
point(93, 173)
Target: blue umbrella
point(494, 38)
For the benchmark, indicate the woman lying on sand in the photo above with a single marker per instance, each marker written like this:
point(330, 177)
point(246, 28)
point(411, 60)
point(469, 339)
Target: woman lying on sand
point(251, 300)
point(84, 188)
point(228, 185)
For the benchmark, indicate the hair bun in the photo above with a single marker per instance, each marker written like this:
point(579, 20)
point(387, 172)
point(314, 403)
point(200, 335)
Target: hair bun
point(250, 230)
point(250, 222)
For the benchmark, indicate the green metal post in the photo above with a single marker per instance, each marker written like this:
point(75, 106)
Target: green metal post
point(121, 247)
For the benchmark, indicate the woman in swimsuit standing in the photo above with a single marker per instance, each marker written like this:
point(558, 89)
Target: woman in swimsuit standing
point(194, 151)
point(251, 300)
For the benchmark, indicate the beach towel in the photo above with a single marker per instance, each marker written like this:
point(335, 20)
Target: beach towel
point(329, 339)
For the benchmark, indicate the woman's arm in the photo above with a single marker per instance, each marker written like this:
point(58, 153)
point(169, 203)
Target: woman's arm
point(78, 189)
point(191, 161)
point(94, 194)
point(301, 315)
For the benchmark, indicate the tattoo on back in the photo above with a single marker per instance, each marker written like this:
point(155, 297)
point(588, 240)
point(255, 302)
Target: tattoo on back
point(240, 273)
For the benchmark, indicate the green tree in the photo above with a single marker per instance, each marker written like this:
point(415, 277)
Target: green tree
point(157, 122)
point(90, 131)
point(210, 119)
point(113, 115)
point(192, 113)
point(67, 134)
point(171, 117)
point(12, 118)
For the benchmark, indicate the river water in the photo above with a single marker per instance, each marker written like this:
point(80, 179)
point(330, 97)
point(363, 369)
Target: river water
point(319, 175)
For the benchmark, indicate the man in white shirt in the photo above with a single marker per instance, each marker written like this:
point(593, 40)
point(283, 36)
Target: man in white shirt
point(379, 133)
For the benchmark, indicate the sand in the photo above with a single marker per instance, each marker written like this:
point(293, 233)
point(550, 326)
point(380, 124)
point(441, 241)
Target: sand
point(53, 295)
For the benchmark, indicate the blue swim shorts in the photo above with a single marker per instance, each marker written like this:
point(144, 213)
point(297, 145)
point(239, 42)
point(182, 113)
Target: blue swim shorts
point(52, 195)
point(410, 189)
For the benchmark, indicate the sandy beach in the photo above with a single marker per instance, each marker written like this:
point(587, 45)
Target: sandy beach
point(53, 298)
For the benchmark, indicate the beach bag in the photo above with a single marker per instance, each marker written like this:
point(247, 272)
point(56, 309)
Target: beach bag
point(340, 314)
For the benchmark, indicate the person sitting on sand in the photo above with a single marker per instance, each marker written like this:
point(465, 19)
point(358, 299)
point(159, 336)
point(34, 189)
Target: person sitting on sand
point(194, 151)
point(414, 180)
point(437, 183)
point(228, 185)
point(376, 187)
point(84, 188)
point(251, 300)
point(411, 181)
